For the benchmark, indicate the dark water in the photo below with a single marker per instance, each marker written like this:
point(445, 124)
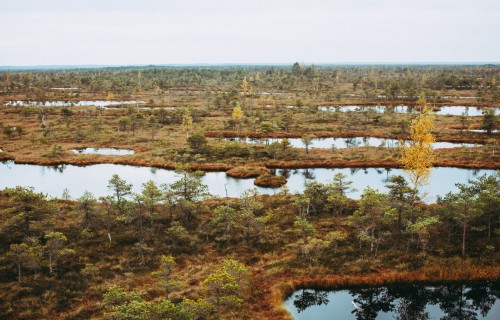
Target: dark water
point(445, 110)
point(104, 151)
point(448, 301)
point(341, 143)
point(54, 179)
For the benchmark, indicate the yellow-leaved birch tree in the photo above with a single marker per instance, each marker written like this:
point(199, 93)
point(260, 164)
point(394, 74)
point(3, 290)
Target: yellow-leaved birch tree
point(244, 85)
point(139, 77)
point(187, 122)
point(417, 156)
point(237, 115)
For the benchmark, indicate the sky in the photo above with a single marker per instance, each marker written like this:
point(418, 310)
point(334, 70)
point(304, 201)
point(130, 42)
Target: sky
point(131, 32)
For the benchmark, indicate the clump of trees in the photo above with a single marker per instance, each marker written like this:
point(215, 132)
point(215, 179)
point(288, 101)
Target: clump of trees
point(188, 249)
point(223, 291)
point(387, 83)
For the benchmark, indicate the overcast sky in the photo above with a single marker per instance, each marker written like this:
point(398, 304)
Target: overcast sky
point(124, 32)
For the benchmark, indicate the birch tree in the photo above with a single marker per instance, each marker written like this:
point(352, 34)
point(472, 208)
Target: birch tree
point(417, 156)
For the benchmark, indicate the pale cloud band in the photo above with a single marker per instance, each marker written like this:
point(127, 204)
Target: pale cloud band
point(40, 32)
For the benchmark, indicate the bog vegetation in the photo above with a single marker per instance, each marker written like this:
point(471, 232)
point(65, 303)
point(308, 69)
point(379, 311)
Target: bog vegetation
point(173, 251)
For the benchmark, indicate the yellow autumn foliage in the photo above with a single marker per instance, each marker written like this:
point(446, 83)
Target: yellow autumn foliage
point(417, 156)
point(237, 114)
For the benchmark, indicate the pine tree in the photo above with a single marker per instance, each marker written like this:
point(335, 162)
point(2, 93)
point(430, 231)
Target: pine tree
point(165, 272)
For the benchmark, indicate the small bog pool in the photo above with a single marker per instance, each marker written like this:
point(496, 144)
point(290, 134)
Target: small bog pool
point(446, 301)
point(83, 103)
point(104, 151)
point(444, 110)
point(342, 143)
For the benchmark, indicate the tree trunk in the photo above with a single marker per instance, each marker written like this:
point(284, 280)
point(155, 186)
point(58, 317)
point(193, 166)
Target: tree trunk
point(463, 238)
point(50, 264)
point(371, 242)
point(19, 272)
point(152, 222)
point(26, 226)
point(489, 226)
point(141, 225)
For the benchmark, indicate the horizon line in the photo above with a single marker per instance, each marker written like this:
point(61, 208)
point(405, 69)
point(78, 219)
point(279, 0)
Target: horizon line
point(349, 63)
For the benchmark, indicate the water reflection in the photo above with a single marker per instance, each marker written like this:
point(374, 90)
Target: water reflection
point(341, 143)
point(104, 151)
point(308, 298)
point(444, 110)
point(467, 301)
point(54, 179)
point(308, 174)
point(97, 103)
point(285, 173)
point(59, 168)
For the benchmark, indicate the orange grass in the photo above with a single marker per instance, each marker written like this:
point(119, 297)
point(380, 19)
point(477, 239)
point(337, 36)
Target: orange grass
point(247, 172)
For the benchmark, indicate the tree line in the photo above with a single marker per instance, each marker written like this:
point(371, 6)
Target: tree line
point(49, 240)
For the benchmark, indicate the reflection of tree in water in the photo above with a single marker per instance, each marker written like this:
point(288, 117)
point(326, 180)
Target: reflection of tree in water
point(389, 109)
point(285, 173)
point(370, 301)
point(462, 301)
point(484, 295)
point(387, 171)
point(309, 298)
point(353, 170)
point(366, 141)
point(412, 300)
point(351, 142)
point(459, 301)
point(405, 311)
point(308, 174)
point(57, 168)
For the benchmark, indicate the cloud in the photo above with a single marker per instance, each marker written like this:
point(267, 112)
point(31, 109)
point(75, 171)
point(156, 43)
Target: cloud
point(198, 31)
